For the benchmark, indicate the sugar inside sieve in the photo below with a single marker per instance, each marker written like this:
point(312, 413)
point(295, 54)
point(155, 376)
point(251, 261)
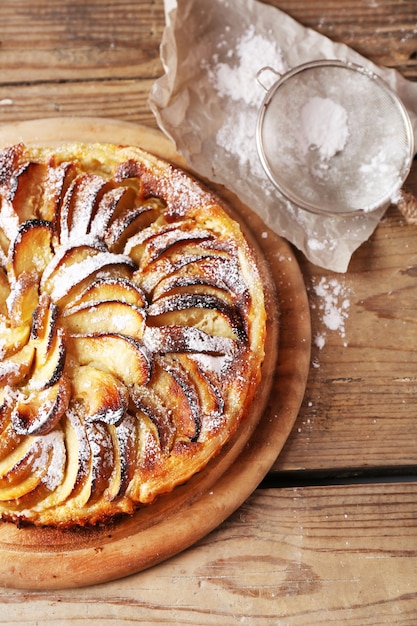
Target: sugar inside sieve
point(334, 138)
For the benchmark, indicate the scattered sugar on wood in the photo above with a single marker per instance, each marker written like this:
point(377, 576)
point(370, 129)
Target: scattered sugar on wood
point(333, 306)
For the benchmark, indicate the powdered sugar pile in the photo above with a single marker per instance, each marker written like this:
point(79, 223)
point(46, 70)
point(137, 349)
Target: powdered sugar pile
point(235, 81)
point(333, 305)
point(325, 127)
point(238, 80)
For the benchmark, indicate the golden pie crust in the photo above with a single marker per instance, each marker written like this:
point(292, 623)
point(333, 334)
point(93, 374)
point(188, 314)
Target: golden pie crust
point(132, 331)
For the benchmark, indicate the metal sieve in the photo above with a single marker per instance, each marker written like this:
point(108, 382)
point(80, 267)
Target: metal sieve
point(333, 137)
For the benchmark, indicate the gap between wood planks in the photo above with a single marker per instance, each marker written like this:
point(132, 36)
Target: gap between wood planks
point(328, 477)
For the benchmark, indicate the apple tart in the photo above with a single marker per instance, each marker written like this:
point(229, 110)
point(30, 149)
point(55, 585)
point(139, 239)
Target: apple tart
point(132, 330)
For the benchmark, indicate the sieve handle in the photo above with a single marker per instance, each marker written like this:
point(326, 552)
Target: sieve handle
point(407, 204)
point(264, 70)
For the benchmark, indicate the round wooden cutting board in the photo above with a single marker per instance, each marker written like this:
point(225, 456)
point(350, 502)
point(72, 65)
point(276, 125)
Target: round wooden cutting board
point(44, 558)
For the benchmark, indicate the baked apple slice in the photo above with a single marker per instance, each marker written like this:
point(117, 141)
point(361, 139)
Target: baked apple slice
point(49, 366)
point(151, 404)
point(17, 475)
point(124, 437)
point(208, 388)
point(174, 338)
point(13, 339)
point(78, 264)
point(23, 298)
point(4, 292)
point(41, 410)
point(49, 468)
point(25, 190)
point(132, 221)
point(44, 324)
point(151, 243)
point(78, 207)
point(149, 458)
point(163, 267)
point(118, 288)
point(106, 209)
point(9, 439)
point(120, 355)
point(219, 272)
point(58, 179)
point(217, 317)
point(16, 368)
point(171, 381)
point(104, 397)
point(109, 316)
point(76, 485)
point(102, 463)
point(31, 250)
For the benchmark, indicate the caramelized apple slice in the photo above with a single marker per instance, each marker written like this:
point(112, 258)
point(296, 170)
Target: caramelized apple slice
point(219, 272)
point(25, 190)
point(13, 339)
point(58, 179)
point(147, 401)
point(78, 207)
point(101, 446)
point(163, 267)
point(112, 204)
point(110, 316)
point(131, 222)
point(4, 292)
point(163, 339)
point(17, 475)
point(44, 322)
point(9, 159)
point(49, 367)
point(149, 459)
point(104, 397)
point(35, 473)
point(9, 439)
point(40, 411)
point(76, 265)
point(66, 468)
point(64, 258)
point(124, 437)
point(104, 289)
point(77, 483)
point(15, 369)
point(23, 298)
point(172, 382)
point(204, 311)
point(122, 356)
point(149, 244)
point(31, 250)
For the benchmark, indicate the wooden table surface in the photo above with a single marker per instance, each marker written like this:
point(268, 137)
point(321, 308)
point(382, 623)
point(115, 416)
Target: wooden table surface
point(330, 536)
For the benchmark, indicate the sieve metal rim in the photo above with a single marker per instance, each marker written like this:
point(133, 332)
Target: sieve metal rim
point(270, 92)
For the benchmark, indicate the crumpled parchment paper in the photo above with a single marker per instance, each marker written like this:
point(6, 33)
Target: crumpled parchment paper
point(209, 50)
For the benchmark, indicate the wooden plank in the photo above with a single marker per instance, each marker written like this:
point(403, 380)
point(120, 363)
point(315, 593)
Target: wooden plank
point(78, 40)
point(125, 100)
point(339, 555)
point(363, 379)
point(377, 29)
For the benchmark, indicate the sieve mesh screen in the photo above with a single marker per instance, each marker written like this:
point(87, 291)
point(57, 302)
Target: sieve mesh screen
point(334, 138)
